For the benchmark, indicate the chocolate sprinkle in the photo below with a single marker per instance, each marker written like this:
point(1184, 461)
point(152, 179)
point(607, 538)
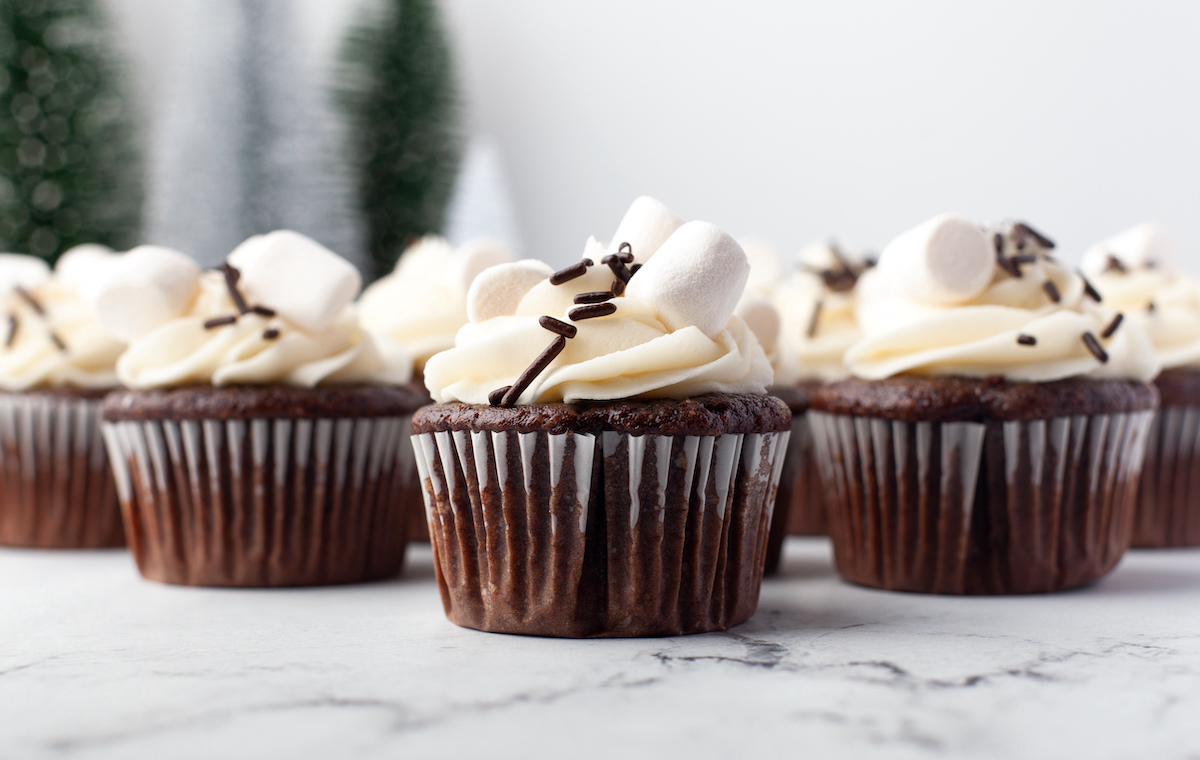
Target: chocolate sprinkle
point(596, 296)
point(998, 242)
point(1088, 290)
point(264, 311)
point(232, 275)
point(13, 324)
point(1019, 236)
point(592, 311)
point(1112, 326)
point(618, 286)
point(625, 252)
point(57, 341)
point(617, 266)
point(564, 329)
point(1112, 263)
point(29, 299)
point(1024, 229)
point(1024, 258)
point(1093, 345)
point(270, 334)
point(634, 269)
point(1051, 291)
point(533, 370)
point(495, 396)
point(1026, 340)
point(228, 319)
point(570, 273)
point(814, 317)
point(1150, 309)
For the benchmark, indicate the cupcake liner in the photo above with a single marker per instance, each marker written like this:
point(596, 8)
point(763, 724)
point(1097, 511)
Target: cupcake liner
point(56, 487)
point(800, 506)
point(599, 535)
point(1168, 509)
point(980, 508)
point(264, 502)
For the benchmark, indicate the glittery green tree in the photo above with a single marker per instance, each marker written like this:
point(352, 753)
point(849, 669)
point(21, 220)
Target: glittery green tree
point(398, 87)
point(69, 172)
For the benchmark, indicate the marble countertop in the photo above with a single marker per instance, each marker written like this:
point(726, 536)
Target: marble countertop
point(97, 663)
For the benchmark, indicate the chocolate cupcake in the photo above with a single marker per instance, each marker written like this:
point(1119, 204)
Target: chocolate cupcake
point(421, 306)
point(992, 440)
point(1139, 272)
point(603, 457)
point(261, 441)
point(56, 364)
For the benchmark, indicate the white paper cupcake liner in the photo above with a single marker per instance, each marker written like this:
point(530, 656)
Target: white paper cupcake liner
point(1168, 510)
point(973, 508)
point(610, 535)
point(264, 502)
point(56, 488)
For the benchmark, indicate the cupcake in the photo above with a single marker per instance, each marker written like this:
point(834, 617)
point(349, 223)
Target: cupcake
point(991, 439)
point(261, 438)
point(56, 488)
point(603, 457)
point(1139, 273)
point(421, 306)
point(816, 312)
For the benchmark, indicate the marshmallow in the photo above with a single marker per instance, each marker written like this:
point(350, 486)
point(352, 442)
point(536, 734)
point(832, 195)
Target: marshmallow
point(142, 290)
point(766, 265)
point(695, 278)
point(946, 260)
point(20, 270)
point(646, 226)
point(760, 316)
point(1145, 245)
point(302, 280)
point(85, 268)
point(473, 257)
point(497, 290)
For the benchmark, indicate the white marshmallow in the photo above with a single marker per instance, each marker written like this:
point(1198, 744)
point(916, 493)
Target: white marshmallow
point(646, 226)
point(1144, 245)
point(473, 257)
point(946, 260)
point(19, 270)
point(766, 265)
point(695, 278)
point(302, 280)
point(86, 267)
point(497, 290)
point(142, 290)
point(760, 316)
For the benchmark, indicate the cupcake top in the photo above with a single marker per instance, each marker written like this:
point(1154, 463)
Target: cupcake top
point(1139, 273)
point(423, 303)
point(950, 298)
point(651, 317)
point(51, 337)
point(279, 312)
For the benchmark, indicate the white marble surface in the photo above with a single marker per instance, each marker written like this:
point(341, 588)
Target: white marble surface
point(97, 663)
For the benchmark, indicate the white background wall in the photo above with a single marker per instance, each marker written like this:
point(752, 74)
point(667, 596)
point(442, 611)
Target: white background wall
point(800, 120)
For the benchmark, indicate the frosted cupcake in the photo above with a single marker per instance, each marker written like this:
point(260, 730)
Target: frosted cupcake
point(422, 305)
point(1139, 273)
point(56, 489)
point(603, 457)
point(260, 441)
point(992, 437)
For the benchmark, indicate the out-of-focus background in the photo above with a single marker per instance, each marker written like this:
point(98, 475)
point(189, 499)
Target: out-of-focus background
point(790, 121)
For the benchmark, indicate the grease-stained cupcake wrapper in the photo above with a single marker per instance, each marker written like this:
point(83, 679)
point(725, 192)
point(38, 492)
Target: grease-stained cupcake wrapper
point(264, 502)
point(800, 507)
point(56, 488)
point(1168, 509)
point(980, 508)
point(599, 535)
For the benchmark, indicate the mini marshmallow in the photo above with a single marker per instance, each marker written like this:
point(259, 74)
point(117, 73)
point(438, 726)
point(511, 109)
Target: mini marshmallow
point(646, 226)
point(86, 267)
point(761, 317)
point(19, 270)
point(1145, 245)
point(766, 265)
point(947, 260)
point(143, 289)
point(497, 290)
point(297, 277)
point(473, 257)
point(695, 278)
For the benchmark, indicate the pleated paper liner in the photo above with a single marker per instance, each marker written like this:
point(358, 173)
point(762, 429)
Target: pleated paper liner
point(56, 486)
point(1168, 509)
point(800, 508)
point(264, 502)
point(607, 534)
point(980, 508)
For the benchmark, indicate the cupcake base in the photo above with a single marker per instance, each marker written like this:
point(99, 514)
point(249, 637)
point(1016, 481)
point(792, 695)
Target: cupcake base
point(800, 505)
point(577, 521)
point(264, 486)
point(56, 487)
point(1168, 509)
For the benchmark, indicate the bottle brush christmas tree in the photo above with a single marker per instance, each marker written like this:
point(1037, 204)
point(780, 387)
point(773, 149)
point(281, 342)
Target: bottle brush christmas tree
point(397, 85)
point(69, 172)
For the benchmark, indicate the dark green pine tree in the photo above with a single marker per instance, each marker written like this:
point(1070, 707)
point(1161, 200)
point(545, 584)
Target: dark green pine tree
point(69, 171)
point(398, 87)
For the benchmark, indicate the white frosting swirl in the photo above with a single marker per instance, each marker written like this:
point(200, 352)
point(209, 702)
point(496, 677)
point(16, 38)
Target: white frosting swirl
point(423, 303)
point(977, 336)
point(630, 353)
point(87, 355)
